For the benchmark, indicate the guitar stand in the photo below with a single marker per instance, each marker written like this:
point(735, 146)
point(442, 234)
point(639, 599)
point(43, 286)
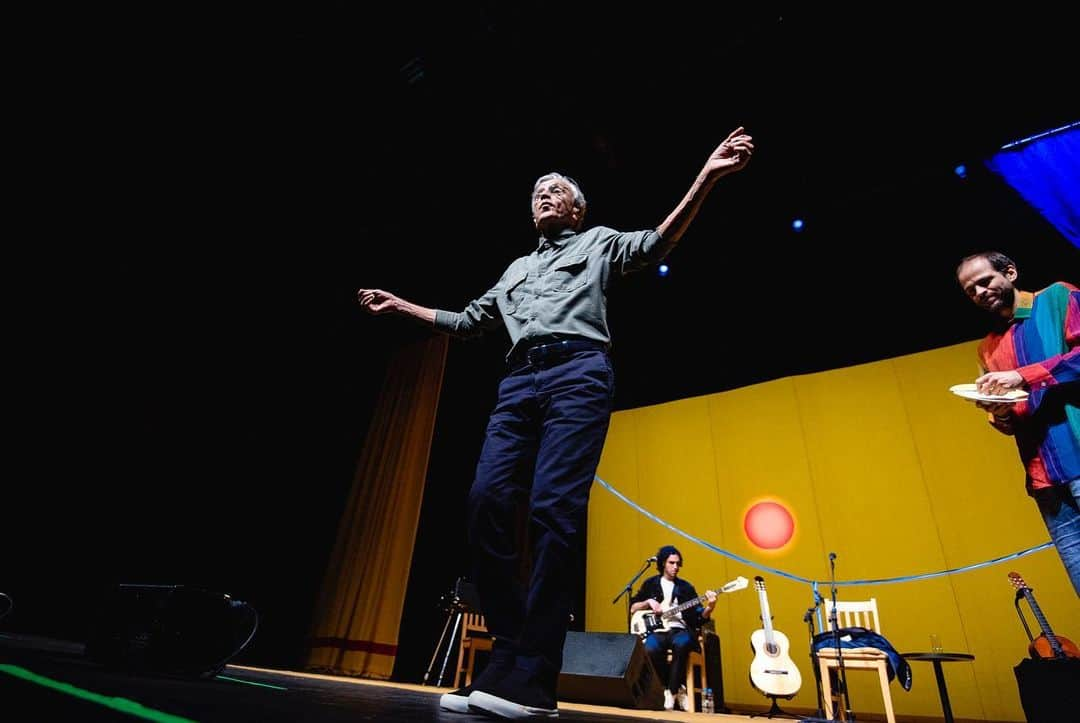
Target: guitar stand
point(775, 711)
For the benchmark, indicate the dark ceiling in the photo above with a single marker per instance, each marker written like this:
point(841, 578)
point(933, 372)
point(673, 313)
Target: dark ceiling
point(859, 119)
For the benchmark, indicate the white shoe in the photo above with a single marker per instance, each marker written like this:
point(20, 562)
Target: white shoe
point(454, 701)
point(669, 700)
point(682, 698)
point(504, 708)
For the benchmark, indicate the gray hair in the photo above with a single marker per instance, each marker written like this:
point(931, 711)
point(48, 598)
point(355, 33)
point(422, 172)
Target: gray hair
point(579, 197)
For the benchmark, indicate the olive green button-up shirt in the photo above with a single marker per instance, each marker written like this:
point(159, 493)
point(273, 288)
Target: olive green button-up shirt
point(559, 290)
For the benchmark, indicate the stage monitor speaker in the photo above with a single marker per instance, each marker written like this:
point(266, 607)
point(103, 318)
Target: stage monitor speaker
point(169, 629)
point(609, 669)
point(1049, 689)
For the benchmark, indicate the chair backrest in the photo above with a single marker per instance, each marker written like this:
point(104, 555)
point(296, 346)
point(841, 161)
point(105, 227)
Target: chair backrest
point(472, 622)
point(857, 613)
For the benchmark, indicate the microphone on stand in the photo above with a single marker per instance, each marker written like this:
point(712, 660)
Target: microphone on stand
point(651, 559)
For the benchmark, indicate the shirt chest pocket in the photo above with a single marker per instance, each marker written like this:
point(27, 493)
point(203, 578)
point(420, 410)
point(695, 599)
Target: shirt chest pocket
point(569, 274)
point(515, 292)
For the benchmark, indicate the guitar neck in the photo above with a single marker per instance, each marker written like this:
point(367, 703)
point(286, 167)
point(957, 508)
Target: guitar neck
point(737, 584)
point(1055, 644)
point(672, 612)
point(766, 616)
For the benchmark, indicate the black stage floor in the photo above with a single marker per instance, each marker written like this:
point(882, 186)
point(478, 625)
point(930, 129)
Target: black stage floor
point(42, 679)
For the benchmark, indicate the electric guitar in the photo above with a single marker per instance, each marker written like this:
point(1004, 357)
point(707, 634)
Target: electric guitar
point(646, 622)
point(772, 670)
point(1046, 645)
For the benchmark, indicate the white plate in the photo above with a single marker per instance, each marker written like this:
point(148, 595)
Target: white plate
point(968, 391)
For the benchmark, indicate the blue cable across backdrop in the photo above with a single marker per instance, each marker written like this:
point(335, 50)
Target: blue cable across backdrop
point(798, 578)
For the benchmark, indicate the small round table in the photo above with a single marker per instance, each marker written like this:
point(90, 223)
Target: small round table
point(937, 659)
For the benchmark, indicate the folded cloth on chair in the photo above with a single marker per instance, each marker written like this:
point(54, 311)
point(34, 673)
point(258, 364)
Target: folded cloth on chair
point(866, 638)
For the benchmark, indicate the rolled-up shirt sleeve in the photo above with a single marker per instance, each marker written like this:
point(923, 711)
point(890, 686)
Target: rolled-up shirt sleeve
point(479, 316)
point(634, 250)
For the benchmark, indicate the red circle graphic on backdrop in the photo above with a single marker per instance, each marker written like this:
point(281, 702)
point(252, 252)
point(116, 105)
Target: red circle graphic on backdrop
point(769, 525)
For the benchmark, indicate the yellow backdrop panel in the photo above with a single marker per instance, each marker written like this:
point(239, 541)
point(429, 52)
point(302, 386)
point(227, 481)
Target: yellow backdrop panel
point(878, 463)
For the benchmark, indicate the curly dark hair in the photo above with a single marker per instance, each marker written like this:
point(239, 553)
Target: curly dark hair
point(663, 554)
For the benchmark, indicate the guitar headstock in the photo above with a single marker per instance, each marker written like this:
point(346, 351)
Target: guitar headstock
point(739, 583)
point(759, 582)
point(1017, 581)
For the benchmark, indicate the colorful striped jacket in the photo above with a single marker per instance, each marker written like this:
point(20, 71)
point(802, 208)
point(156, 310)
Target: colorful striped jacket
point(1042, 343)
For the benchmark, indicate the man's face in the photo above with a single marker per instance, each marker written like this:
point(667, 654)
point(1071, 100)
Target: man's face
point(553, 207)
point(990, 289)
point(671, 566)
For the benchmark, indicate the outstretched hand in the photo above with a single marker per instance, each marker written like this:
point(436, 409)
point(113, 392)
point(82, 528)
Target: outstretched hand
point(377, 301)
point(731, 155)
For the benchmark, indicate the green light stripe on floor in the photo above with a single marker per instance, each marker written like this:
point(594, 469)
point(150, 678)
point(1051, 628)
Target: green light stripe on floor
point(121, 704)
point(249, 682)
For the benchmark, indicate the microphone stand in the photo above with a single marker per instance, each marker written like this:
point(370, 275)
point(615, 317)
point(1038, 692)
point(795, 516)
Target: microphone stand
point(836, 638)
point(808, 618)
point(630, 586)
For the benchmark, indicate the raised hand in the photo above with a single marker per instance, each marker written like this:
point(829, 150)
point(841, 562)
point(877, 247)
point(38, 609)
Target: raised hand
point(731, 155)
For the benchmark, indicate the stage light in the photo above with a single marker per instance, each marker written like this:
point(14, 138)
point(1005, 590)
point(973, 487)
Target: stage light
point(961, 171)
point(797, 225)
point(663, 270)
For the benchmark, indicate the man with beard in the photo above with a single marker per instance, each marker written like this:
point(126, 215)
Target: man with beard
point(1034, 348)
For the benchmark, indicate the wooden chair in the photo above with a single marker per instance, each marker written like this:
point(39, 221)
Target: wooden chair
point(696, 662)
point(862, 613)
point(474, 637)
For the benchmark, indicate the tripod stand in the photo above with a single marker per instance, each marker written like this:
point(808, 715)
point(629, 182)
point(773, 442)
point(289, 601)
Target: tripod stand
point(462, 599)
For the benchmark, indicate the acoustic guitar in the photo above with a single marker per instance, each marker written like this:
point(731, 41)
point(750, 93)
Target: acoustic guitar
point(1045, 645)
point(772, 670)
point(646, 622)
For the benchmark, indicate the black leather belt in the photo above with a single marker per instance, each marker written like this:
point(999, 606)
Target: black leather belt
point(541, 355)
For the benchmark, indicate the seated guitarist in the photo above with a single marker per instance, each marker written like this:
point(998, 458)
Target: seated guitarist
point(680, 634)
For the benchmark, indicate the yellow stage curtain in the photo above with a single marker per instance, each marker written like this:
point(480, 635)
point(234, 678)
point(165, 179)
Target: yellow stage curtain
point(356, 620)
point(878, 462)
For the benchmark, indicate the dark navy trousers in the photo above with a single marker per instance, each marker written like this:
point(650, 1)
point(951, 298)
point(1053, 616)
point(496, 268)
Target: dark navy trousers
point(543, 444)
point(680, 643)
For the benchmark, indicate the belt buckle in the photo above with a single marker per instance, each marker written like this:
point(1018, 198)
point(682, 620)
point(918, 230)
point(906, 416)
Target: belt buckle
point(535, 355)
